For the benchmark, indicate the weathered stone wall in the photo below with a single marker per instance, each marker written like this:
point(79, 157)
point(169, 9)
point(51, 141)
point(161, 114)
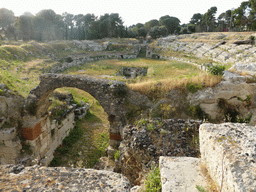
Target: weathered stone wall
point(10, 146)
point(51, 135)
point(41, 141)
point(143, 144)
point(228, 151)
point(79, 60)
point(11, 106)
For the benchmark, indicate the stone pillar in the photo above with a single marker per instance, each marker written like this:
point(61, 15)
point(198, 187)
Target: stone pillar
point(114, 135)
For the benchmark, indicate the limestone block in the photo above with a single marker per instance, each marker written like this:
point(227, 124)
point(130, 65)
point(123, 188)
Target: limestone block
point(181, 174)
point(8, 133)
point(211, 109)
point(228, 150)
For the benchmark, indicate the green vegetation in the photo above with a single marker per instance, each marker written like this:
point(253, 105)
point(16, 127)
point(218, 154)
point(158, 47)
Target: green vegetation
point(163, 75)
point(201, 189)
point(26, 149)
point(217, 69)
point(88, 140)
point(231, 113)
point(117, 155)
point(197, 112)
point(153, 181)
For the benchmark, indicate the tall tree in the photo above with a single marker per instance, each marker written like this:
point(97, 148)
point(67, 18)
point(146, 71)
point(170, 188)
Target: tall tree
point(241, 15)
point(152, 23)
point(7, 20)
point(197, 21)
point(171, 23)
point(25, 25)
point(209, 19)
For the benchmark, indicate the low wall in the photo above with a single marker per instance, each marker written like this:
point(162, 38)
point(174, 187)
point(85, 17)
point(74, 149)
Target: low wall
point(79, 60)
point(51, 135)
point(228, 151)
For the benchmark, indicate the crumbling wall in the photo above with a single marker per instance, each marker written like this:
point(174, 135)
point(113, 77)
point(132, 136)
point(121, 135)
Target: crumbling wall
point(144, 143)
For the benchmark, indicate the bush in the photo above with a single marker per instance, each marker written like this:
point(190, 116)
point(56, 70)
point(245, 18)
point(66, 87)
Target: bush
point(153, 181)
point(117, 155)
point(193, 88)
point(155, 56)
point(216, 69)
point(56, 161)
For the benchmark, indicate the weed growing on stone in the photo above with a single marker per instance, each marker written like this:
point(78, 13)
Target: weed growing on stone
point(212, 186)
point(153, 181)
point(201, 189)
point(117, 155)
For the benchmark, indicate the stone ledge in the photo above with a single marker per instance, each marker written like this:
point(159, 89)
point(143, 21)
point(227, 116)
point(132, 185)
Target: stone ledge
point(229, 152)
point(180, 174)
point(36, 178)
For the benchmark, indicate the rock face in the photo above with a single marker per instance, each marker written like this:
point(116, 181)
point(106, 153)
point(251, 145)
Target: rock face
point(10, 107)
point(228, 151)
point(231, 97)
point(143, 144)
point(36, 178)
point(181, 174)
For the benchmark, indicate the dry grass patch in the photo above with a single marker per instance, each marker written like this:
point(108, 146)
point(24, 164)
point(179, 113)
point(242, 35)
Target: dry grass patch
point(157, 89)
point(212, 186)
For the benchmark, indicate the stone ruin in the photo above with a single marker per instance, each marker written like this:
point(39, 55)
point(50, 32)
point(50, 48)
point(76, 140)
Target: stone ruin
point(132, 72)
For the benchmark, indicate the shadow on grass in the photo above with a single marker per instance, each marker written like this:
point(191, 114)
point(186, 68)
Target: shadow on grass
point(92, 118)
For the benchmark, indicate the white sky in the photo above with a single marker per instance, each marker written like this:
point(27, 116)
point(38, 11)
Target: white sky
point(131, 11)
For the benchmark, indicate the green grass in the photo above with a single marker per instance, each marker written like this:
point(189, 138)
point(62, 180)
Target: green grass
point(153, 181)
point(88, 148)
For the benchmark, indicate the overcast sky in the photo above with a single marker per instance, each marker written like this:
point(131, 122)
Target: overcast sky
point(131, 11)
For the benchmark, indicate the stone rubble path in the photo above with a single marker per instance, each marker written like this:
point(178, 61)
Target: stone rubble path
point(181, 174)
point(37, 178)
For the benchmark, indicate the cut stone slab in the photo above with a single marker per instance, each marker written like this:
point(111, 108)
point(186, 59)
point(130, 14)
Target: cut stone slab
point(229, 152)
point(181, 174)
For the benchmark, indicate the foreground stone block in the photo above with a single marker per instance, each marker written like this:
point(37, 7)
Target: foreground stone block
point(181, 174)
point(36, 178)
point(229, 153)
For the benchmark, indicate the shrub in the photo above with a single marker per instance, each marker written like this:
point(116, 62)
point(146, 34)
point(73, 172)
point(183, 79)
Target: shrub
point(117, 155)
point(153, 181)
point(193, 88)
point(56, 161)
point(216, 69)
point(150, 127)
point(155, 56)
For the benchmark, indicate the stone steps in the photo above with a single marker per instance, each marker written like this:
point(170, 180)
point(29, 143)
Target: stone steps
point(181, 174)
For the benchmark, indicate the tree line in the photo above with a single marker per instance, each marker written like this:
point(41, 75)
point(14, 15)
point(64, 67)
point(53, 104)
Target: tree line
point(47, 25)
point(242, 18)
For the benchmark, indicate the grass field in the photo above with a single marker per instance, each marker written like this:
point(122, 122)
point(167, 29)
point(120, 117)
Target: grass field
point(163, 75)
